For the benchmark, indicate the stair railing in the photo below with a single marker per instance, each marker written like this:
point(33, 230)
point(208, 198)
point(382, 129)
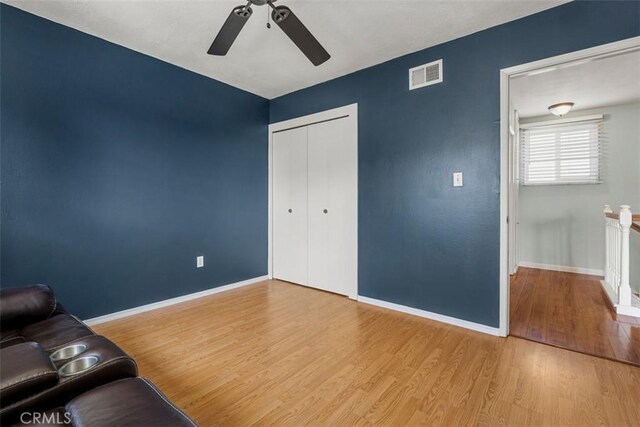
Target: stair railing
point(616, 272)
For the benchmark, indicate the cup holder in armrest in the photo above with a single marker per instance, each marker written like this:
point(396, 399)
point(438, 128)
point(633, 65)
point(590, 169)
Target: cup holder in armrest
point(67, 352)
point(100, 363)
point(77, 366)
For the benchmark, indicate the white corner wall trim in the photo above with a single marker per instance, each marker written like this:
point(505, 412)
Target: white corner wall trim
point(432, 316)
point(172, 301)
point(563, 268)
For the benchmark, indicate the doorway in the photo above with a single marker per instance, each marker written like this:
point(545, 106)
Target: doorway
point(562, 166)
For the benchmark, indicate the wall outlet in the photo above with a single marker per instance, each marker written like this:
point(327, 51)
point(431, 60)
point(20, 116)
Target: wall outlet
point(457, 179)
point(200, 262)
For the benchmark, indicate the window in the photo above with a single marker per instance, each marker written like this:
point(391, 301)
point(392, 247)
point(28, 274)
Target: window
point(561, 153)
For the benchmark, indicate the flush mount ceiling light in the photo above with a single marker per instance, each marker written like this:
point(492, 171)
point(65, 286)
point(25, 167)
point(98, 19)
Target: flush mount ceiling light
point(561, 109)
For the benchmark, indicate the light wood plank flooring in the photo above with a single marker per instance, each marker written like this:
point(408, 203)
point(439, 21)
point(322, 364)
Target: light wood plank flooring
point(571, 311)
point(280, 354)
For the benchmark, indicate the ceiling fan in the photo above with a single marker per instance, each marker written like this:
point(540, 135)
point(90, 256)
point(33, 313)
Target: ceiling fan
point(281, 15)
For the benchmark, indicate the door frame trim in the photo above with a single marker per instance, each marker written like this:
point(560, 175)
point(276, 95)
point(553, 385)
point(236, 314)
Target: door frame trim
point(505, 74)
point(348, 111)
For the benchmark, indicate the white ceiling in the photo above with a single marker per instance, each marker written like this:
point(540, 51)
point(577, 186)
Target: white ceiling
point(357, 33)
point(596, 83)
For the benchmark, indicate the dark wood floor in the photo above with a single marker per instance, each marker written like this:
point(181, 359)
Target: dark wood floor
point(570, 311)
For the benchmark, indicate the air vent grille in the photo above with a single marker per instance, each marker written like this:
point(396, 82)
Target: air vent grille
point(425, 75)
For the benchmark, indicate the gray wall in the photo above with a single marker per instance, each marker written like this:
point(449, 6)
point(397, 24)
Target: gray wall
point(562, 224)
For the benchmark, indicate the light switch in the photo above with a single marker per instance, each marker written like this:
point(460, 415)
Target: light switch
point(457, 179)
point(200, 262)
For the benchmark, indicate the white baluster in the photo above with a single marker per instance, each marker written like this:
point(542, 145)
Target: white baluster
point(624, 294)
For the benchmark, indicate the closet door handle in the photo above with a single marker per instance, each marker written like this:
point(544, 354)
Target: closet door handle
point(325, 211)
point(290, 210)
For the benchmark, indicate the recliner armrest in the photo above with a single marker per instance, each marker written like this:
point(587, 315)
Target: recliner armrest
point(25, 369)
point(22, 306)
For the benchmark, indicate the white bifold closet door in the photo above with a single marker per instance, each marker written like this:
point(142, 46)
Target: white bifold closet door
point(290, 205)
point(315, 206)
point(332, 181)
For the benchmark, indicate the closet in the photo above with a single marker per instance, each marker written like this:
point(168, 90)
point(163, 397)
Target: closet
point(314, 202)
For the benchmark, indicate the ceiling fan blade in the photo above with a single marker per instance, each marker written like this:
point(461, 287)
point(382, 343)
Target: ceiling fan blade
point(300, 35)
point(230, 30)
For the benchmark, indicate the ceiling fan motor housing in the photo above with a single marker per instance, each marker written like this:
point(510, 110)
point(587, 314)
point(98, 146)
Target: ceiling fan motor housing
point(243, 11)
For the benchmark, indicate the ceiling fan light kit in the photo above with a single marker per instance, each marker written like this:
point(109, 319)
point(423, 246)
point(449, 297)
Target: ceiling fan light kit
point(283, 17)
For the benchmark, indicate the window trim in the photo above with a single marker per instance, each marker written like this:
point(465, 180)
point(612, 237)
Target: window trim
point(562, 121)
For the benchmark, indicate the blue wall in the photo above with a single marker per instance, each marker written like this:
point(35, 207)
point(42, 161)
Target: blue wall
point(423, 243)
point(119, 169)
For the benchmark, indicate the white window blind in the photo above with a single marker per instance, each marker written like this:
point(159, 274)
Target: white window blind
point(566, 153)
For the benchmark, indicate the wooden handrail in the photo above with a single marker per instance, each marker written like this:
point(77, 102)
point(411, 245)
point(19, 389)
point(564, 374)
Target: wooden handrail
point(615, 215)
point(635, 226)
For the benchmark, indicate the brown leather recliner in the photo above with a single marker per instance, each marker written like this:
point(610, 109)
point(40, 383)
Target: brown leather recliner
point(129, 402)
point(32, 313)
point(31, 379)
point(54, 370)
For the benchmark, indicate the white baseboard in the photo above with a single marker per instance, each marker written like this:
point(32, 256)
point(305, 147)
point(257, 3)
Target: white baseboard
point(633, 310)
point(628, 310)
point(609, 293)
point(172, 301)
point(563, 268)
point(433, 316)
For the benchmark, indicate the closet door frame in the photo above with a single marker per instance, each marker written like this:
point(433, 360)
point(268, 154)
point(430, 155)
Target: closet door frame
point(348, 112)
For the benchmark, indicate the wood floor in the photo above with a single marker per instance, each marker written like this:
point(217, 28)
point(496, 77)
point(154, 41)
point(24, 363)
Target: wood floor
point(280, 354)
point(571, 311)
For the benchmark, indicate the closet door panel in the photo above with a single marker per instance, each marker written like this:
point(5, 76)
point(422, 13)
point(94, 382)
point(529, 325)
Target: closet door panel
point(319, 165)
point(290, 205)
point(332, 172)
